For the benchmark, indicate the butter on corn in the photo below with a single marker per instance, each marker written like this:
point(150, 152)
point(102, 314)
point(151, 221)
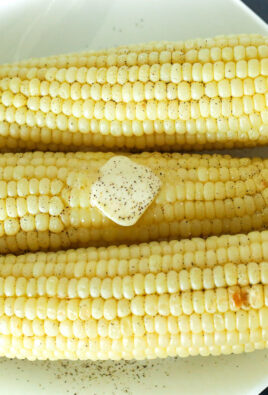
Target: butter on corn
point(124, 190)
point(45, 199)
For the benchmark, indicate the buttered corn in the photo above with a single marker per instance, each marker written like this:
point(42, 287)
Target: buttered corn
point(169, 95)
point(144, 301)
point(45, 199)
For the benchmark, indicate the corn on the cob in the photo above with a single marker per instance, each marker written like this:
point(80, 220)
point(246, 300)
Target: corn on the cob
point(144, 301)
point(168, 95)
point(45, 199)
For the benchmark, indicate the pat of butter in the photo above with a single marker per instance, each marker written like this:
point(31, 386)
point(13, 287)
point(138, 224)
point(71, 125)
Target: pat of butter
point(124, 190)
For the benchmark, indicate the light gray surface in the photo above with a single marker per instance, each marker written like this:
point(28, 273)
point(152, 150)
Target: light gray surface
point(244, 374)
point(37, 28)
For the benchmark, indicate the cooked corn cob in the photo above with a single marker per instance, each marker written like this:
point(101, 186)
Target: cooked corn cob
point(144, 301)
point(169, 95)
point(45, 199)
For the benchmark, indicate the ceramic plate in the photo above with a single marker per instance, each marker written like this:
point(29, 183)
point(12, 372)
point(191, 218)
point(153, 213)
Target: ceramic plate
point(43, 27)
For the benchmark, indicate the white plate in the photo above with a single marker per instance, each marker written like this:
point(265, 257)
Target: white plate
point(42, 27)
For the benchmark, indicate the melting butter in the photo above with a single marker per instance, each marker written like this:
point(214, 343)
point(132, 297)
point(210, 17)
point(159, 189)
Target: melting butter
point(124, 190)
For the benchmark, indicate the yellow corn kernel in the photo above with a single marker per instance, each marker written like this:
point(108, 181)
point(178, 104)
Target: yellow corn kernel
point(45, 199)
point(107, 99)
point(142, 301)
